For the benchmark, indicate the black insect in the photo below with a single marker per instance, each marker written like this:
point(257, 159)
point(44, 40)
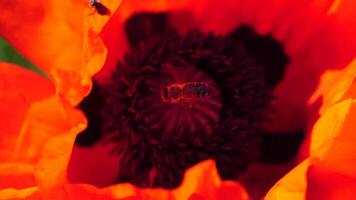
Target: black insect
point(185, 92)
point(99, 7)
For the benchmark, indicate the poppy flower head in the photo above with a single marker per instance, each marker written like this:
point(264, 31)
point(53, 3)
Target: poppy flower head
point(177, 99)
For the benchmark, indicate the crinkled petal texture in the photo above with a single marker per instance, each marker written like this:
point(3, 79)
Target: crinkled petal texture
point(43, 33)
point(31, 117)
point(70, 43)
point(54, 36)
point(328, 172)
point(200, 182)
point(19, 88)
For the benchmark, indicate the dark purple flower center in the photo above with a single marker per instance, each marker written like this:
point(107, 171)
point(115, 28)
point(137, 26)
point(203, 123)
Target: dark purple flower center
point(178, 99)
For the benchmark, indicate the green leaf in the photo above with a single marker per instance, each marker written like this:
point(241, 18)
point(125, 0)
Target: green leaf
point(10, 54)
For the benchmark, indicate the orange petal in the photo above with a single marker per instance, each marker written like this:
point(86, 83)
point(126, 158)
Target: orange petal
point(200, 182)
point(45, 143)
point(17, 175)
point(56, 42)
point(203, 179)
point(336, 149)
point(19, 89)
point(325, 184)
point(43, 33)
point(292, 186)
point(332, 155)
point(42, 149)
point(72, 192)
point(73, 83)
point(51, 168)
point(45, 121)
point(47, 137)
point(11, 193)
point(329, 45)
point(335, 86)
point(32, 117)
point(94, 49)
point(48, 33)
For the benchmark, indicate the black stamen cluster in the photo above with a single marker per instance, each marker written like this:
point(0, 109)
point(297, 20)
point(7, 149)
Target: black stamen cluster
point(154, 151)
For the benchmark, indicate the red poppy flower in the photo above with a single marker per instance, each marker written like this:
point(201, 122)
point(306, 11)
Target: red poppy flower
point(72, 42)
